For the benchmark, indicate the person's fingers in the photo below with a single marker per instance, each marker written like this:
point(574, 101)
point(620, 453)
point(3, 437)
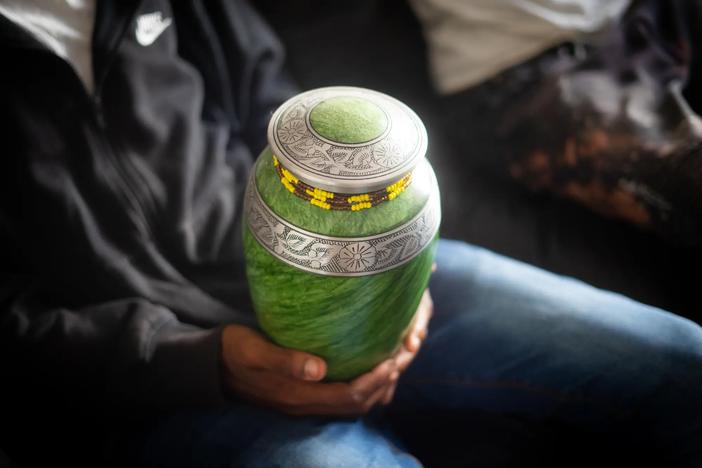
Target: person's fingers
point(365, 386)
point(418, 332)
point(262, 354)
point(428, 303)
point(376, 397)
point(433, 267)
point(413, 342)
point(389, 394)
point(352, 410)
point(310, 398)
point(356, 409)
point(323, 410)
point(426, 311)
point(273, 389)
point(404, 358)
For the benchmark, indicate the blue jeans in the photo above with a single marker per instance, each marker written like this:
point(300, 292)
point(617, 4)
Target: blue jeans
point(508, 342)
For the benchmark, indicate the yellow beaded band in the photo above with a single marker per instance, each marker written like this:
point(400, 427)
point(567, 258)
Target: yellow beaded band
point(339, 201)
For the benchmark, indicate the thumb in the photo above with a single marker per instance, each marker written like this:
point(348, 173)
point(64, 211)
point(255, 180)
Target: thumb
point(290, 362)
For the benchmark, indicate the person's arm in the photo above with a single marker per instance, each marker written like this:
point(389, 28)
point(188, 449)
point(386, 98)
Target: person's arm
point(125, 354)
point(134, 355)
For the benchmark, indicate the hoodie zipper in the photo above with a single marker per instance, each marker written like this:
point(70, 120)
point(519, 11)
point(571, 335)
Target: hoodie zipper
point(118, 162)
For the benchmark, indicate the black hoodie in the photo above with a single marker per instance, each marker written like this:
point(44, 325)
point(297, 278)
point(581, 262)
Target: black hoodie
point(120, 211)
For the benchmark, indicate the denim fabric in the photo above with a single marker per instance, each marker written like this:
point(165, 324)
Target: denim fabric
point(506, 340)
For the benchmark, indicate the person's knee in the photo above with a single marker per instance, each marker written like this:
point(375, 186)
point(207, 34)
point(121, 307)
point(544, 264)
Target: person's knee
point(311, 453)
point(338, 444)
point(681, 352)
point(457, 265)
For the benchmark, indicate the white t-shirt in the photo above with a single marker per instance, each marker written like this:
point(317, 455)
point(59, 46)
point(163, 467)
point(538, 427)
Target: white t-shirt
point(64, 26)
point(470, 41)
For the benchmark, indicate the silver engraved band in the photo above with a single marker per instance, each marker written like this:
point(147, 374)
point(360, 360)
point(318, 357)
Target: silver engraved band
point(340, 256)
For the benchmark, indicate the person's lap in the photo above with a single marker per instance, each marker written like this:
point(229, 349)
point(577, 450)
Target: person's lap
point(506, 340)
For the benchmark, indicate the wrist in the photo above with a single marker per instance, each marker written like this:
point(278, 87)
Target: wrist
point(223, 361)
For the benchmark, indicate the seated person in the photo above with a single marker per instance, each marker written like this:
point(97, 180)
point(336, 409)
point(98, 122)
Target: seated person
point(127, 332)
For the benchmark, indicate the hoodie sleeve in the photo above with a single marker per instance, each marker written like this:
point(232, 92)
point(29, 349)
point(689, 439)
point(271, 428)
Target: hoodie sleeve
point(122, 355)
point(90, 309)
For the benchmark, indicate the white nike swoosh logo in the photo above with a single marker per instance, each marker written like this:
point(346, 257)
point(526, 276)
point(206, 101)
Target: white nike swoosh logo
point(150, 26)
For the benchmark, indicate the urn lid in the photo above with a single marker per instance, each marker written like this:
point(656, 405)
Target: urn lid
point(347, 139)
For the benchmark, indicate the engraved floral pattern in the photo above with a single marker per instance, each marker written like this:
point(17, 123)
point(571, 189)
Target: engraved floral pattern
point(292, 131)
point(358, 256)
point(388, 154)
point(293, 138)
point(338, 256)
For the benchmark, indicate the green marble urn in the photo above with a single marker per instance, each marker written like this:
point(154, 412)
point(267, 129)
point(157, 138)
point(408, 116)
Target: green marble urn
point(341, 223)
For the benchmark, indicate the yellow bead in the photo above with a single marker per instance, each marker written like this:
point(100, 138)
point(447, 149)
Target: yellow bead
point(320, 204)
point(361, 206)
point(317, 194)
point(288, 185)
point(289, 176)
